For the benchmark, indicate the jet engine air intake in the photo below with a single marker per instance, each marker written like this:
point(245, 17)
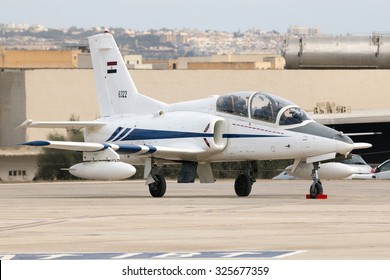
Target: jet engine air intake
point(220, 128)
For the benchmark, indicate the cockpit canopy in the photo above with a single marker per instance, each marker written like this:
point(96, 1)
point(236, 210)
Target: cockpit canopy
point(262, 106)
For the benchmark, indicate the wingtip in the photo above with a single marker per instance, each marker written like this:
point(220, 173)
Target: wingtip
point(35, 143)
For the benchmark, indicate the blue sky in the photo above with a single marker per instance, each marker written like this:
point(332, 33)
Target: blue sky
point(331, 16)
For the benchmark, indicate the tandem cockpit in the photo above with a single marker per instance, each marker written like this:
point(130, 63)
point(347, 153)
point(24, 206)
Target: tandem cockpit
point(262, 107)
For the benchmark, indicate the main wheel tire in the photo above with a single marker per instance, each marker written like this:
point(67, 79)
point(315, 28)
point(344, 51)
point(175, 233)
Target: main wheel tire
point(243, 185)
point(158, 188)
point(316, 189)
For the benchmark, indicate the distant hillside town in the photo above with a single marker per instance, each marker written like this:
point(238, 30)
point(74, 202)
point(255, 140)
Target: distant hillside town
point(24, 46)
point(151, 44)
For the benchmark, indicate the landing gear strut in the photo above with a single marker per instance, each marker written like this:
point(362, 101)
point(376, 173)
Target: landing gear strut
point(316, 187)
point(244, 182)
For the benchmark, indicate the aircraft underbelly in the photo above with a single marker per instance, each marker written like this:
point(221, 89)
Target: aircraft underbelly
point(253, 149)
point(268, 148)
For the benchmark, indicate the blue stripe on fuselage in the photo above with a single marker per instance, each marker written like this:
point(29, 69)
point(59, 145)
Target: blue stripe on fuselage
point(122, 135)
point(151, 134)
point(115, 133)
point(250, 135)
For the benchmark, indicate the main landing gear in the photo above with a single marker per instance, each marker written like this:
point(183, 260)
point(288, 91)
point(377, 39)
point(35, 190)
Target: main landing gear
point(316, 189)
point(158, 187)
point(244, 182)
point(243, 185)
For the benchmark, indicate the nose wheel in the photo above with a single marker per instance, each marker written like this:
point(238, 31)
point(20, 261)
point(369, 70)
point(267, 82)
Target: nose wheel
point(316, 189)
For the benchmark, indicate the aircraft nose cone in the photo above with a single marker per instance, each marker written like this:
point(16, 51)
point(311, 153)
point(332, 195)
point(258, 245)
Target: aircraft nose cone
point(344, 143)
point(344, 147)
point(358, 146)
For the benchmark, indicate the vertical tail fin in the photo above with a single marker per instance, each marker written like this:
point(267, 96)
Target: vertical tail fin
point(116, 91)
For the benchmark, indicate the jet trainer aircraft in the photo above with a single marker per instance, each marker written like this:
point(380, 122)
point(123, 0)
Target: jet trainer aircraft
point(239, 126)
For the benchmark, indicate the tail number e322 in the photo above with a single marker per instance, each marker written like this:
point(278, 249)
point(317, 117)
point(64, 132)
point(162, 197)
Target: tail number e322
point(122, 94)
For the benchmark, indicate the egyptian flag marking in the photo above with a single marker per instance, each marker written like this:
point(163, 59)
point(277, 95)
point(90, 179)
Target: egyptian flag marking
point(111, 67)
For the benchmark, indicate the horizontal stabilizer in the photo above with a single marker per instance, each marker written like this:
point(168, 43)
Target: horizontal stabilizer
point(61, 124)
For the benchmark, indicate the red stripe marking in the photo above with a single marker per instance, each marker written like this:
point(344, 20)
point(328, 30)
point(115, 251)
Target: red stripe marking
point(112, 63)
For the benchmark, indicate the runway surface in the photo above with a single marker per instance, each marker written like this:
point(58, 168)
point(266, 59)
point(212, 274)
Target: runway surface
point(89, 218)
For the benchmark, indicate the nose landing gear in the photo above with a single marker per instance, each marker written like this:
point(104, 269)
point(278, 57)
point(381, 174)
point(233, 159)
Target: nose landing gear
point(316, 189)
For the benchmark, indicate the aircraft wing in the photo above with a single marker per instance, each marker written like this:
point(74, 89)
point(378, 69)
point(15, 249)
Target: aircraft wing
point(68, 145)
point(61, 124)
point(136, 150)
